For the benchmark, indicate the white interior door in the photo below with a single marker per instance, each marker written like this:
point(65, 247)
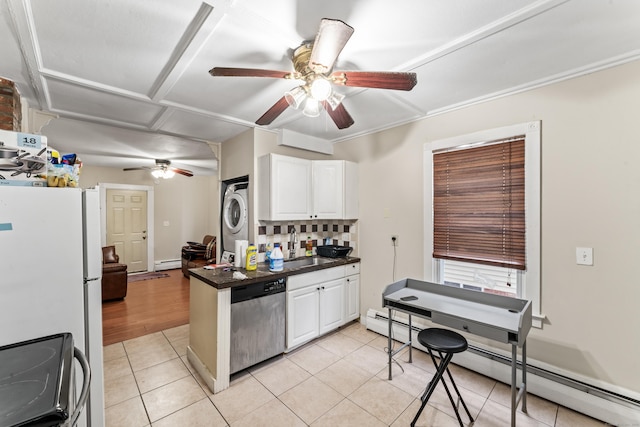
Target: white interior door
point(127, 226)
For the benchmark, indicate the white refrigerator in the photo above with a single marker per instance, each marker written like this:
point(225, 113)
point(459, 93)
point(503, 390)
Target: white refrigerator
point(50, 274)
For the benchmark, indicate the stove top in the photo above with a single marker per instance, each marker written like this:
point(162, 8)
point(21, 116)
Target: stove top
point(35, 381)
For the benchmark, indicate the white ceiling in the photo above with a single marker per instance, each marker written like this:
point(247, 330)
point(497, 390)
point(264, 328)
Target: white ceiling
point(129, 79)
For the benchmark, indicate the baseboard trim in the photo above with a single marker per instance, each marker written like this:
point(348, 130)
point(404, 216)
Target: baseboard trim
point(167, 264)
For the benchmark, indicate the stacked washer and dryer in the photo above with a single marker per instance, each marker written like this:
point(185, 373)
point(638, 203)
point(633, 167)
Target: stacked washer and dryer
point(234, 217)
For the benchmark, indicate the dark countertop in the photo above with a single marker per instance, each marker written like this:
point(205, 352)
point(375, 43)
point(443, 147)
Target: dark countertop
point(221, 279)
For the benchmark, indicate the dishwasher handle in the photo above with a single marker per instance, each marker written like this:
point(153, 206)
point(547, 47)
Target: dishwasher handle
point(86, 380)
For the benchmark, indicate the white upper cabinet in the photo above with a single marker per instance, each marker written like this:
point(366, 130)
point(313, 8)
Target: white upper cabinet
point(284, 188)
point(298, 189)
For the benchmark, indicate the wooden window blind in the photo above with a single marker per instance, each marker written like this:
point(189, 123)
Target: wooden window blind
point(478, 204)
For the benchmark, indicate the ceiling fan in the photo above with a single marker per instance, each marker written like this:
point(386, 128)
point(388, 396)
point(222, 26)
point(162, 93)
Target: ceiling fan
point(313, 64)
point(162, 169)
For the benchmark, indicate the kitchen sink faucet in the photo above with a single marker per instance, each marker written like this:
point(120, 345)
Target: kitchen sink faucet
point(293, 239)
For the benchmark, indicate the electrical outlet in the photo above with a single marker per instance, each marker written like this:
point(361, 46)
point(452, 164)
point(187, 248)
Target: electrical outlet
point(394, 240)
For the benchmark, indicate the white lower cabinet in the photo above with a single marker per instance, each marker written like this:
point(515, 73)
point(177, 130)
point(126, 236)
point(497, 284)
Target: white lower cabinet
point(303, 315)
point(352, 292)
point(352, 297)
point(319, 302)
point(331, 305)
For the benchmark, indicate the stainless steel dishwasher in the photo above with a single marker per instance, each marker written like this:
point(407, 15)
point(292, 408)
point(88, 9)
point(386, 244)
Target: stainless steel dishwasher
point(257, 323)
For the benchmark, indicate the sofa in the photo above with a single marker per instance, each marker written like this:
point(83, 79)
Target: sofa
point(114, 275)
point(196, 255)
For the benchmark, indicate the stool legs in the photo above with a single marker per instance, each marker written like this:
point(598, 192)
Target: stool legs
point(432, 386)
point(455, 407)
point(440, 370)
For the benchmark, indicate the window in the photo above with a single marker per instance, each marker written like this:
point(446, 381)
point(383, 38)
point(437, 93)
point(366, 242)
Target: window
point(495, 248)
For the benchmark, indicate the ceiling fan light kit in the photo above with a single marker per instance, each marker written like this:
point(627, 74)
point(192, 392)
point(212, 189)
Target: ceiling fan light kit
point(313, 63)
point(162, 173)
point(320, 89)
point(296, 96)
point(311, 107)
point(334, 100)
point(162, 169)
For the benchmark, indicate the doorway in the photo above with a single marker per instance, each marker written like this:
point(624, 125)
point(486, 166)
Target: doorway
point(127, 227)
point(127, 223)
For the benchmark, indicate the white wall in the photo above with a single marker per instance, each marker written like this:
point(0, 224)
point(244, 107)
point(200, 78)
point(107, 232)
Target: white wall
point(190, 205)
point(590, 197)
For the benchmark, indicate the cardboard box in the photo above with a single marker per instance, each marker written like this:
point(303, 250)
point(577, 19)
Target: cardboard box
point(23, 159)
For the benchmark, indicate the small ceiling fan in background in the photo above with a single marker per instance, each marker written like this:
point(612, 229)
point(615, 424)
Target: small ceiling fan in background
point(313, 63)
point(162, 169)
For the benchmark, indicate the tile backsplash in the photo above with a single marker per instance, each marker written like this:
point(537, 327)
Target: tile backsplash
point(340, 232)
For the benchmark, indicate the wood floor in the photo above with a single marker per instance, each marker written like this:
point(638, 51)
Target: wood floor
point(150, 306)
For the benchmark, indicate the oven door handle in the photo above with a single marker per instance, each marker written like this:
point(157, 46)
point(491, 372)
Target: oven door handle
point(86, 380)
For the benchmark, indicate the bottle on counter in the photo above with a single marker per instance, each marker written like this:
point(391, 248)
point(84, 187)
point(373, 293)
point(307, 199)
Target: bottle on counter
point(309, 247)
point(276, 262)
point(252, 257)
point(267, 254)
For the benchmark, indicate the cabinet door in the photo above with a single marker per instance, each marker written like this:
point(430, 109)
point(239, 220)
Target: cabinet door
point(331, 305)
point(290, 188)
point(328, 189)
point(352, 298)
point(302, 315)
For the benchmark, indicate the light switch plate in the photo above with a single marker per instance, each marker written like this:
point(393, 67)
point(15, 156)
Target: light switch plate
point(584, 256)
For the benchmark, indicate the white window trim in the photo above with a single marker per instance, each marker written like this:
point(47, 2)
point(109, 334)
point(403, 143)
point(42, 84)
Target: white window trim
point(531, 278)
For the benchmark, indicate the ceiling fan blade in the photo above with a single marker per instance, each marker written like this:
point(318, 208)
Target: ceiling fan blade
point(273, 112)
point(182, 171)
point(141, 168)
point(248, 72)
point(340, 116)
point(375, 79)
point(332, 36)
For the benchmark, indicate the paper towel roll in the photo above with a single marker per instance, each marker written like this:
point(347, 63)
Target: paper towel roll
point(241, 253)
point(245, 245)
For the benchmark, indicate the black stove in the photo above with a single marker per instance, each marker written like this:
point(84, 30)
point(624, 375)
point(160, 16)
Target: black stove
point(36, 382)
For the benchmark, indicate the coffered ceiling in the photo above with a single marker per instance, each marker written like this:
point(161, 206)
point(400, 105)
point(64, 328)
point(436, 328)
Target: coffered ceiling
point(129, 79)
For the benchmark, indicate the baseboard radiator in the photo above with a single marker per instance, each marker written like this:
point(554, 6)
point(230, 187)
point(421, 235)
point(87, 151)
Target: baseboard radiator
point(599, 402)
point(167, 264)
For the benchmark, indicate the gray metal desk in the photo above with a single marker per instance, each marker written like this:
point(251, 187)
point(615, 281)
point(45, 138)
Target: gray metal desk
point(497, 317)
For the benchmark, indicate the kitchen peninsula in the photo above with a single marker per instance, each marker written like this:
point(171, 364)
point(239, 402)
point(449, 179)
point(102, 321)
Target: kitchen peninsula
point(332, 284)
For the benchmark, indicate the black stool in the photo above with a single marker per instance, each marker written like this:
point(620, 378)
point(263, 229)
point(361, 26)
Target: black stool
point(446, 343)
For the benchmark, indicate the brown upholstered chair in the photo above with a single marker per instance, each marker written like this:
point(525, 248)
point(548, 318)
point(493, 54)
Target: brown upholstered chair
point(196, 255)
point(114, 275)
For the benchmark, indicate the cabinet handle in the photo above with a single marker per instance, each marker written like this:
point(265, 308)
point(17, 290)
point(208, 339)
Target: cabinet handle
point(347, 280)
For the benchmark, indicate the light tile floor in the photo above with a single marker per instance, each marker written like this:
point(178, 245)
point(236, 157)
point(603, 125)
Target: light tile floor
point(336, 380)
